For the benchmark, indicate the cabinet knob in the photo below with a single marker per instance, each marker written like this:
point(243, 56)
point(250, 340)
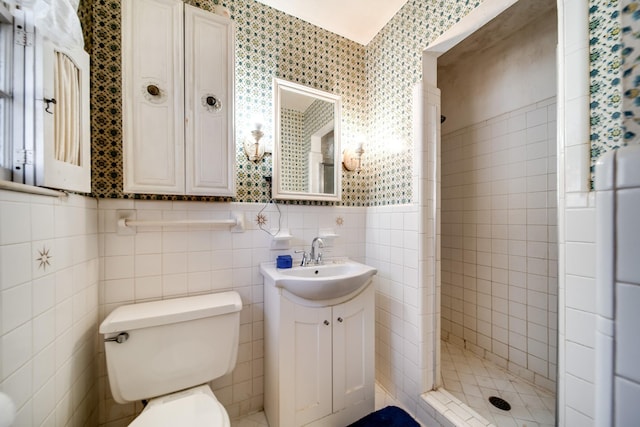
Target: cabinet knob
point(340, 319)
point(326, 322)
point(212, 101)
point(153, 90)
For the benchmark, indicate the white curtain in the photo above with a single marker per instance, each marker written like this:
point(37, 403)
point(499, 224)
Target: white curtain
point(67, 110)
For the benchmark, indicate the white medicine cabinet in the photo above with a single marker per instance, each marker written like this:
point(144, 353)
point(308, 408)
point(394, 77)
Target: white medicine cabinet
point(177, 72)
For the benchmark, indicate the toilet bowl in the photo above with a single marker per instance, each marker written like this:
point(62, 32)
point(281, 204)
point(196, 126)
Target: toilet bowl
point(166, 351)
point(194, 407)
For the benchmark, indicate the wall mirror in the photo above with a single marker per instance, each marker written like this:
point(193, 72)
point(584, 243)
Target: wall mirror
point(306, 151)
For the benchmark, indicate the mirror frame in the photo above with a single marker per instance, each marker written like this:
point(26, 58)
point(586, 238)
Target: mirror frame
point(277, 192)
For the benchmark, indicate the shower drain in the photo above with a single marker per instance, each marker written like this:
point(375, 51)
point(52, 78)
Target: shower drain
point(500, 403)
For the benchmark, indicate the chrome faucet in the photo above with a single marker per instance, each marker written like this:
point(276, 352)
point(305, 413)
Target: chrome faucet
point(316, 256)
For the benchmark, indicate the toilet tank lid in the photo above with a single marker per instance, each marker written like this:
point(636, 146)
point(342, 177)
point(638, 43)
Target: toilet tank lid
point(156, 313)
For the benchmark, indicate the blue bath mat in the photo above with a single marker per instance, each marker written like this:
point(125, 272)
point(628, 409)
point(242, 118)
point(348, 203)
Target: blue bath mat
point(391, 416)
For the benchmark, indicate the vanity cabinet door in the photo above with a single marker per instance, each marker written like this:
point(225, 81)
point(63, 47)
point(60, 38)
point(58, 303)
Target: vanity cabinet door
point(310, 363)
point(153, 96)
point(353, 351)
point(319, 361)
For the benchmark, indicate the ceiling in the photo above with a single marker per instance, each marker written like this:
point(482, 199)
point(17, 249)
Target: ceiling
point(295, 101)
point(501, 27)
point(357, 20)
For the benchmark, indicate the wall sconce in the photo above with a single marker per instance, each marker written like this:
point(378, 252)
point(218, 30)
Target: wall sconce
point(352, 158)
point(253, 148)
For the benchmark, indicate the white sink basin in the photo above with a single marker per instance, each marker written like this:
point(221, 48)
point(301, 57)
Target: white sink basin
point(328, 281)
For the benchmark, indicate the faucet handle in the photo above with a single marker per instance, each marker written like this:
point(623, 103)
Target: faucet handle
point(305, 257)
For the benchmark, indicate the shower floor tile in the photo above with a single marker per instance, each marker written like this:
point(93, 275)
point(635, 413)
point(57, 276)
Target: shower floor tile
point(473, 380)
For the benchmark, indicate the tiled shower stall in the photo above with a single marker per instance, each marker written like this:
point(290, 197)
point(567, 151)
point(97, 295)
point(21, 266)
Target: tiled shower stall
point(499, 241)
point(495, 145)
point(499, 227)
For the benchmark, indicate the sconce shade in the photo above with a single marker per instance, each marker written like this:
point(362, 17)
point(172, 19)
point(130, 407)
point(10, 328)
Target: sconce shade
point(253, 148)
point(352, 158)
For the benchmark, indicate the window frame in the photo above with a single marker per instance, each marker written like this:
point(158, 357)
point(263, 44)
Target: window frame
point(6, 92)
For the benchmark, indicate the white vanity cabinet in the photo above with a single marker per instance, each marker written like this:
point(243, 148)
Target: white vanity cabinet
point(319, 360)
point(177, 78)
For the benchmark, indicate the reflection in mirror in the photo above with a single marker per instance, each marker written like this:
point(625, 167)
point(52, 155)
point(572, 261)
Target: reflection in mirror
point(306, 143)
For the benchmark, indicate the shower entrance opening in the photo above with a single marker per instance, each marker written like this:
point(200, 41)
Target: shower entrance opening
point(498, 269)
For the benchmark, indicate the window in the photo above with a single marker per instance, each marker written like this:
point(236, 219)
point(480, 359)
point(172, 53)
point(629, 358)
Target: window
point(44, 107)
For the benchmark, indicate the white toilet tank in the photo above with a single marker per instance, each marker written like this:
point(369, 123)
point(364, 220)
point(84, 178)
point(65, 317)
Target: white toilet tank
point(170, 345)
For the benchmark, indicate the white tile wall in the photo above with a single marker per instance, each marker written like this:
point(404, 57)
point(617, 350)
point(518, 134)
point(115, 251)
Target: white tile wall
point(576, 213)
point(578, 317)
point(391, 247)
point(618, 291)
point(499, 254)
point(168, 262)
point(49, 313)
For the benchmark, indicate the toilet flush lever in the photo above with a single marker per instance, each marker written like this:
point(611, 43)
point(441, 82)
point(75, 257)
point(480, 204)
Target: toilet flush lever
point(120, 338)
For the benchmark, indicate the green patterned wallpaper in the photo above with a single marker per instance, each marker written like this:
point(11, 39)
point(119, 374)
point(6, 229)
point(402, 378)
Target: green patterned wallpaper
point(318, 115)
point(291, 152)
point(375, 81)
point(272, 44)
point(394, 66)
point(269, 44)
point(605, 57)
point(631, 69)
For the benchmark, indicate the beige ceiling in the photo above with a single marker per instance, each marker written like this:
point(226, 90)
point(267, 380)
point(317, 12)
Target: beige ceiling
point(357, 20)
point(501, 27)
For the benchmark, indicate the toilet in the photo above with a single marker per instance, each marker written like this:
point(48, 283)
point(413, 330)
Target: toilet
point(167, 351)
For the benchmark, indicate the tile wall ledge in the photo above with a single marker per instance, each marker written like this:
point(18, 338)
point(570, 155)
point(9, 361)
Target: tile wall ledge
point(442, 405)
point(30, 189)
point(579, 199)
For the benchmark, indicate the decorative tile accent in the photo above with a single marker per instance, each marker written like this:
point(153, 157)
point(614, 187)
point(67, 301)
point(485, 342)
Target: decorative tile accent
point(261, 219)
point(340, 221)
point(44, 258)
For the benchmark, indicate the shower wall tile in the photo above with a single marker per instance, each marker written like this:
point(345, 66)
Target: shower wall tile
point(499, 258)
point(580, 395)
